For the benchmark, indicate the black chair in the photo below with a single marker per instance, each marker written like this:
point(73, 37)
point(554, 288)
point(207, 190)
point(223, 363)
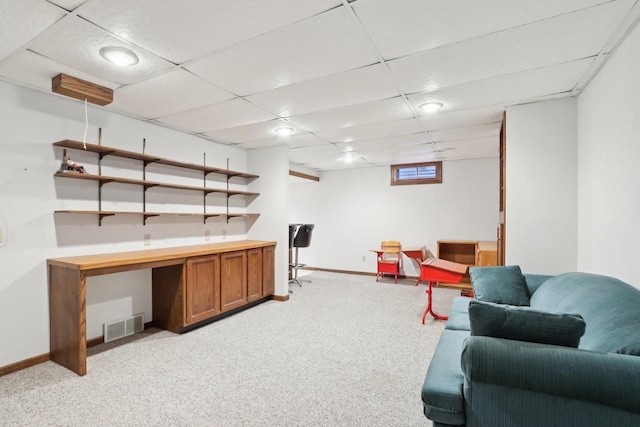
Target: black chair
point(292, 234)
point(302, 240)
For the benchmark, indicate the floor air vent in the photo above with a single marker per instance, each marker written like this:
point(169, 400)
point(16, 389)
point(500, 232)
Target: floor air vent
point(124, 327)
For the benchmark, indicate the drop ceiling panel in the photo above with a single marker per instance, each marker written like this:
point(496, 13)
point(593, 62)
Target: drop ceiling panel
point(166, 94)
point(68, 4)
point(181, 31)
point(323, 165)
point(296, 53)
point(253, 132)
point(361, 114)
point(468, 132)
point(40, 15)
point(397, 142)
point(324, 152)
point(306, 140)
point(354, 133)
point(87, 40)
point(228, 114)
point(339, 90)
point(507, 90)
point(476, 116)
point(421, 153)
point(403, 27)
point(569, 37)
point(36, 71)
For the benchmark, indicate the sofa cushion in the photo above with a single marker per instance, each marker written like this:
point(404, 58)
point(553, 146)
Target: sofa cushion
point(608, 306)
point(442, 389)
point(458, 321)
point(502, 285)
point(525, 324)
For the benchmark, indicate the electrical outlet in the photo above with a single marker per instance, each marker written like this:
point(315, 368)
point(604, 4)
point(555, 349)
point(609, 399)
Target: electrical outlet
point(224, 234)
point(147, 239)
point(207, 235)
point(364, 258)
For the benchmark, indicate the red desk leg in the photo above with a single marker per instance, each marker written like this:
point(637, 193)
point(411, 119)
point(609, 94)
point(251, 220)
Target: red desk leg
point(429, 308)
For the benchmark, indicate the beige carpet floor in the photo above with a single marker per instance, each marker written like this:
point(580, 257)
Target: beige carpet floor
point(343, 351)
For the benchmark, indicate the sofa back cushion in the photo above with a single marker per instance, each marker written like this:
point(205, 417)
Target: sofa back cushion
point(525, 324)
point(501, 285)
point(610, 308)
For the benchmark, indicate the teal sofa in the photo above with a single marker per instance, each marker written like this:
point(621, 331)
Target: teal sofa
point(481, 380)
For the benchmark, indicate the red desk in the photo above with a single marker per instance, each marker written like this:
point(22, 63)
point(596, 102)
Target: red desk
point(444, 274)
point(418, 255)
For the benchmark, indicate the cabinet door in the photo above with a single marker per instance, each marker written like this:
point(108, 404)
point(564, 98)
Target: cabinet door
point(254, 274)
point(268, 270)
point(233, 279)
point(203, 288)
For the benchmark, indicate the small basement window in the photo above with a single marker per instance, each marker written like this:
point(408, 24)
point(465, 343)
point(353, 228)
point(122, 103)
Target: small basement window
point(416, 173)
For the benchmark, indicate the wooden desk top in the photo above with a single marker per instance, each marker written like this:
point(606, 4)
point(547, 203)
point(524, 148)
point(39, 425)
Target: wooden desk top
point(120, 259)
point(443, 264)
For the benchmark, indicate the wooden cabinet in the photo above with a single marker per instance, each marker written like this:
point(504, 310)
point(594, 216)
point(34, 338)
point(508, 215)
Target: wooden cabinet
point(268, 270)
point(202, 299)
point(233, 279)
point(486, 254)
point(254, 274)
point(470, 252)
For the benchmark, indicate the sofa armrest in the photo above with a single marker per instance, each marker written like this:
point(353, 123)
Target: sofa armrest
point(534, 281)
point(607, 379)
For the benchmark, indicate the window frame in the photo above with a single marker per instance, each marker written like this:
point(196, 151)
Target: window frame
point(436, 180)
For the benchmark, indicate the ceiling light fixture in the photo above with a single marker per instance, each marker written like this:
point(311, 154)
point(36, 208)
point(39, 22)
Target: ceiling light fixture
point(430, 107)
point(348, 157)
point(119, 56)
point(284, 131)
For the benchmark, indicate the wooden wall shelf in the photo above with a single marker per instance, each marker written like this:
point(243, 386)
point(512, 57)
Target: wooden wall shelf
point(103, 151)
point(107, 151)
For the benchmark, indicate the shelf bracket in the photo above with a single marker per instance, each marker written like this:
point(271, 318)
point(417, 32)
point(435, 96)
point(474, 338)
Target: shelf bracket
point(103, 215)
point(145, 216)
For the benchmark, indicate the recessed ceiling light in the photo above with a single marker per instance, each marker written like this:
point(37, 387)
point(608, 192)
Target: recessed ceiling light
point(348, 157)
point(119, 56)
point(430, 107)
point(284, 131)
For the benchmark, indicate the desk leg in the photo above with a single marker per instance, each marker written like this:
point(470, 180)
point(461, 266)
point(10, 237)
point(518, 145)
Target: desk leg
point(67, 318)
point(429, 308)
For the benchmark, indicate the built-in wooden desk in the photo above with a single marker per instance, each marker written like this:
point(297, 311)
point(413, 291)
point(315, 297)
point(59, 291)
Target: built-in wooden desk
point(190, 284)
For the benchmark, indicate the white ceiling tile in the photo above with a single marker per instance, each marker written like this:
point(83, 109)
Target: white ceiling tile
point(475, 116)
point(38, 14)
point(37, 71)
point(87, 40)
point(387, 142)
point(322, 152)
point(261, 131)
point(471, 148)
point(337, 163)
point(565, 38)
point(306, 140)
point(299, 52)
point(403, 27)
point(68, 4)
point(181, 31)
point(412, 154)
point(236, 112)
point(260, 144)
point(507, 90)
point(468, 132)
point(339, 90)
point(361, 114)
point(169, 93)
point(354, 133)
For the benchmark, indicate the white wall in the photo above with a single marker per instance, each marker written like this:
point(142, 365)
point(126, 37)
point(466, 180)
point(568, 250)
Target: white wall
point(608, 167)
point(29, 194)
point(355, 209)
point(541, 187)
point(272, 164)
